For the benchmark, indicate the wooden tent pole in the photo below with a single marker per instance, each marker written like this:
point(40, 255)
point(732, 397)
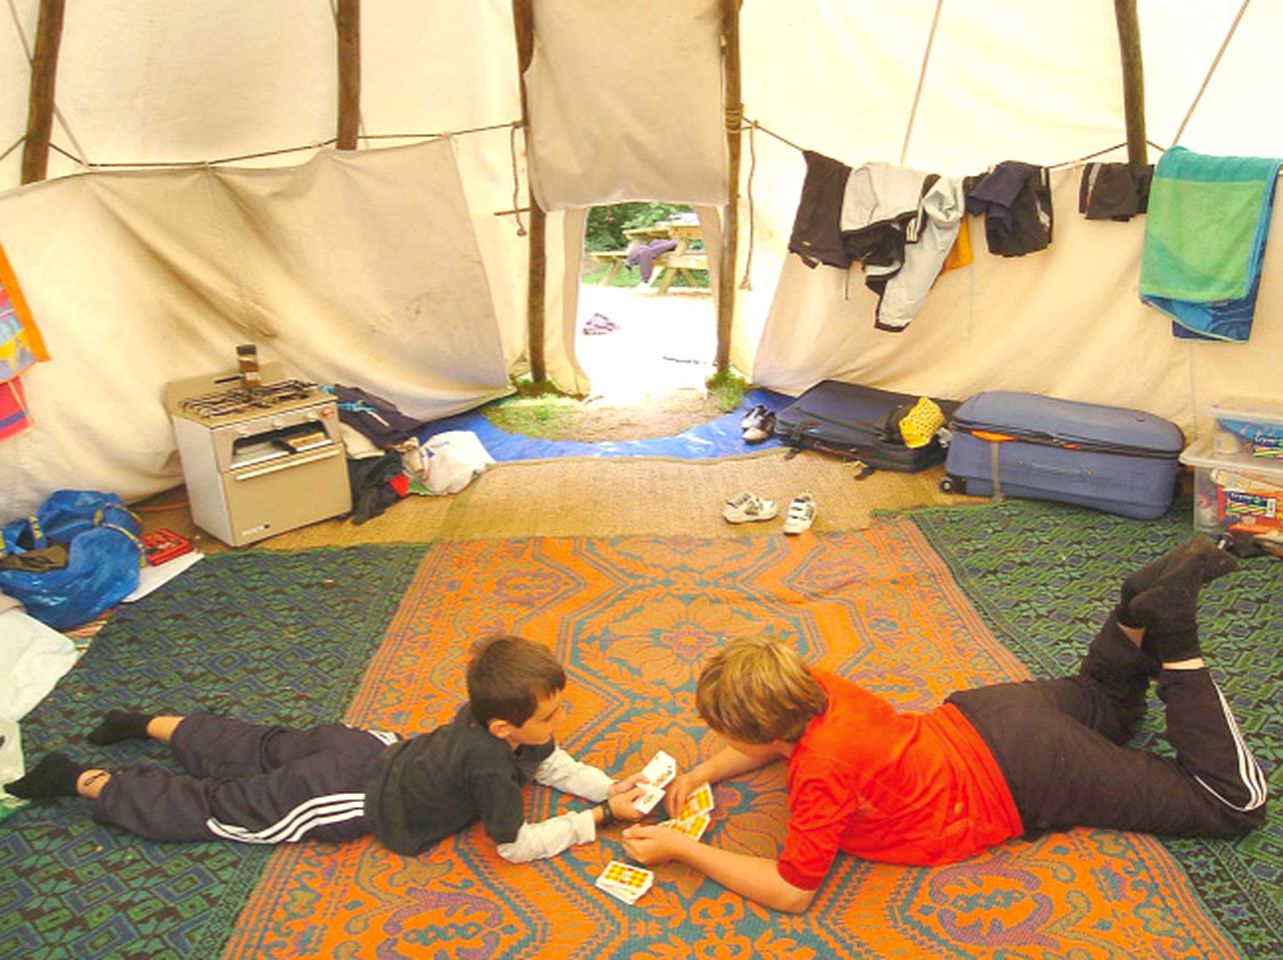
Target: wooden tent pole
point(1133, 79)
point(44, 76)
point(734, 113)
point(347, 25)
point(536, 277)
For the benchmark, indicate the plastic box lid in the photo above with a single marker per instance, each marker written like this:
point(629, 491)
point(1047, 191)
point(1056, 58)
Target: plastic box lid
point(1247, 409)
point(1200, 454)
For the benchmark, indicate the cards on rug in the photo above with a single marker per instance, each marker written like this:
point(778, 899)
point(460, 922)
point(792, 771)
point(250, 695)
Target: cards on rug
point(627, 882)
point(624, 881)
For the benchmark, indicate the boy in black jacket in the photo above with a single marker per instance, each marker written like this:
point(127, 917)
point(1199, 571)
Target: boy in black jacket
point(270, 784)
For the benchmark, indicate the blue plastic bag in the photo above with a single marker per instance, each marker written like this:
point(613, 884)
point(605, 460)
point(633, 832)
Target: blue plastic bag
point(104, 555)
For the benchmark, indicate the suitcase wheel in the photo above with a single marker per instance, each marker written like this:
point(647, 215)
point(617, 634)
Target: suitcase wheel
point(953, 484)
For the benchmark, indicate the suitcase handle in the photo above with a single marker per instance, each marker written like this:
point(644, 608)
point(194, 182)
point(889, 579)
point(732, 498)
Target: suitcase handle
point(1060, 471)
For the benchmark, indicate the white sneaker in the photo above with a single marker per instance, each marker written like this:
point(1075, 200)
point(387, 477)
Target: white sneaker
point(748, 507)
point(754, 414)
point(801, 514)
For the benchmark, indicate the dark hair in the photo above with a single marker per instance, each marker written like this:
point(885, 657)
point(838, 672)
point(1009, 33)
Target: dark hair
point(508, 676)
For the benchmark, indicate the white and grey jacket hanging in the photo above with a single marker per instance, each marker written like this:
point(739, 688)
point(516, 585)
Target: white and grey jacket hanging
point(900, 224)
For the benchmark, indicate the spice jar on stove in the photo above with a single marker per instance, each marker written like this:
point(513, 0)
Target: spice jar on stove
point(251, 376)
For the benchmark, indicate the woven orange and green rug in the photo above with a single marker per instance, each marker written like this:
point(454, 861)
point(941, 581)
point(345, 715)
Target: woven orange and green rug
point(913, 608)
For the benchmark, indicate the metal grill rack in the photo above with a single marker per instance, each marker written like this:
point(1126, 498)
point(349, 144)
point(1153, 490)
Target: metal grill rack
point(235, 400)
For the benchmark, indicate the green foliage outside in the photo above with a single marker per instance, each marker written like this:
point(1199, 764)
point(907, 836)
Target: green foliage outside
point(606, 225)
point(728, 387)
point(605, 231)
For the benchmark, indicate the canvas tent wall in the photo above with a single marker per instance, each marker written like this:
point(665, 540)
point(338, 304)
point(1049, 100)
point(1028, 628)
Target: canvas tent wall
point(131, 288)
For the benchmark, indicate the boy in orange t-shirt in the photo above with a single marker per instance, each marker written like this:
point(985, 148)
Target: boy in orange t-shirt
point(988, 764)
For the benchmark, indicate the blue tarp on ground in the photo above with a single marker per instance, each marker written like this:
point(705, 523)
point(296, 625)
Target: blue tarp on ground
point(719, 438)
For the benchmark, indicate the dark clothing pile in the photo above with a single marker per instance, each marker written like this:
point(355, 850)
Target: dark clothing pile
point(1114, 191)
point(817, 228)
point(643, 255)
point(1015, 199)
point(376, 418)
point(371, 480)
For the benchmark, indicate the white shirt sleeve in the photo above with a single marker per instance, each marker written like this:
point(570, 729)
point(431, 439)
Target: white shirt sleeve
point(568, 775)
point(547, 839)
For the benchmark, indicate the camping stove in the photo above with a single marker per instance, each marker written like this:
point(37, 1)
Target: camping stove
point(258, 460)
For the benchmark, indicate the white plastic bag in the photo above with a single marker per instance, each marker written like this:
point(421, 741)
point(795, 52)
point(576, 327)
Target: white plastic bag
point(10, 764)
point(452, 460)
point(35, 657)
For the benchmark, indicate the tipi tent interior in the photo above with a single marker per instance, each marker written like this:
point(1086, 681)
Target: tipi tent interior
point(393, 194)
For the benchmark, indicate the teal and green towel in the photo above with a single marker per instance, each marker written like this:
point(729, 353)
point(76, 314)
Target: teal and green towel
point(1205, 240)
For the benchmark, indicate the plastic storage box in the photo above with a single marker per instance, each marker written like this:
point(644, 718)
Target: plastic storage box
point(1250, 428)
point(1233, 489)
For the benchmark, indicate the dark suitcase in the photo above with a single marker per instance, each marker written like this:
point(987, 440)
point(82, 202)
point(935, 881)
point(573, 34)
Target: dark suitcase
point(1025, 445)
point(859, 423)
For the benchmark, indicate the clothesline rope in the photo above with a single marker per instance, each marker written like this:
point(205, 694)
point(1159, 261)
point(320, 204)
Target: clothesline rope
point(184, 164)
point(754, 125)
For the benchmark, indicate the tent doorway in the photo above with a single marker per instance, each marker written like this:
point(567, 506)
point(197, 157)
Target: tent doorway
point(646, 326)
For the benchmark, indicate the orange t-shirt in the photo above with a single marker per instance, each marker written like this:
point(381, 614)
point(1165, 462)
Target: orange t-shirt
point(916, 788)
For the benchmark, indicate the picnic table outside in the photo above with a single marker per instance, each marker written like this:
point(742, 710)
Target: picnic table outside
point(681, 260)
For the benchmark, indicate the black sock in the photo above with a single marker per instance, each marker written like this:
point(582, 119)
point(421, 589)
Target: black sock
point(1123, 613)
point(1138, 582)
point(1196, 561)
point(1174, 645)
point(1169, 611)
point(120, 725)
point(53, 776)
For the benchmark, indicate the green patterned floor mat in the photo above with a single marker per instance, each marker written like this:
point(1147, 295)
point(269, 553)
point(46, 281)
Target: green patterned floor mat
point(1043, 575)
point(267, 636)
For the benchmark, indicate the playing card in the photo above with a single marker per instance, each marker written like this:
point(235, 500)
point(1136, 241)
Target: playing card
point(650, 796)
point(693, 826)
point(699, 800)
point(661, 769)
point(625, 881)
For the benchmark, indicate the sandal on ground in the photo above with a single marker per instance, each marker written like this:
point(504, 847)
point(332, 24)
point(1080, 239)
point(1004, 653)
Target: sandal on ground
point(801, 514)
point(747, 507)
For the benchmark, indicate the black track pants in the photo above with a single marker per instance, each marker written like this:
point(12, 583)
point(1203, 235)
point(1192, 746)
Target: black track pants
point(1059, 743)
point(250, 783)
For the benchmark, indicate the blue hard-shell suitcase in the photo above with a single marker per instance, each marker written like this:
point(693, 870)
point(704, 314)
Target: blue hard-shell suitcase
point(1008, 443)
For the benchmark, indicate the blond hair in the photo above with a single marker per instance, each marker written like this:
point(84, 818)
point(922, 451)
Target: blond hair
point(758, 690)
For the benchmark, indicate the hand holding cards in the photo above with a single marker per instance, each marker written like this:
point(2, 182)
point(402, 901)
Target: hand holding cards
point(693, 819)
point(692, 826)
point(658, 773)
point(699, 801)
